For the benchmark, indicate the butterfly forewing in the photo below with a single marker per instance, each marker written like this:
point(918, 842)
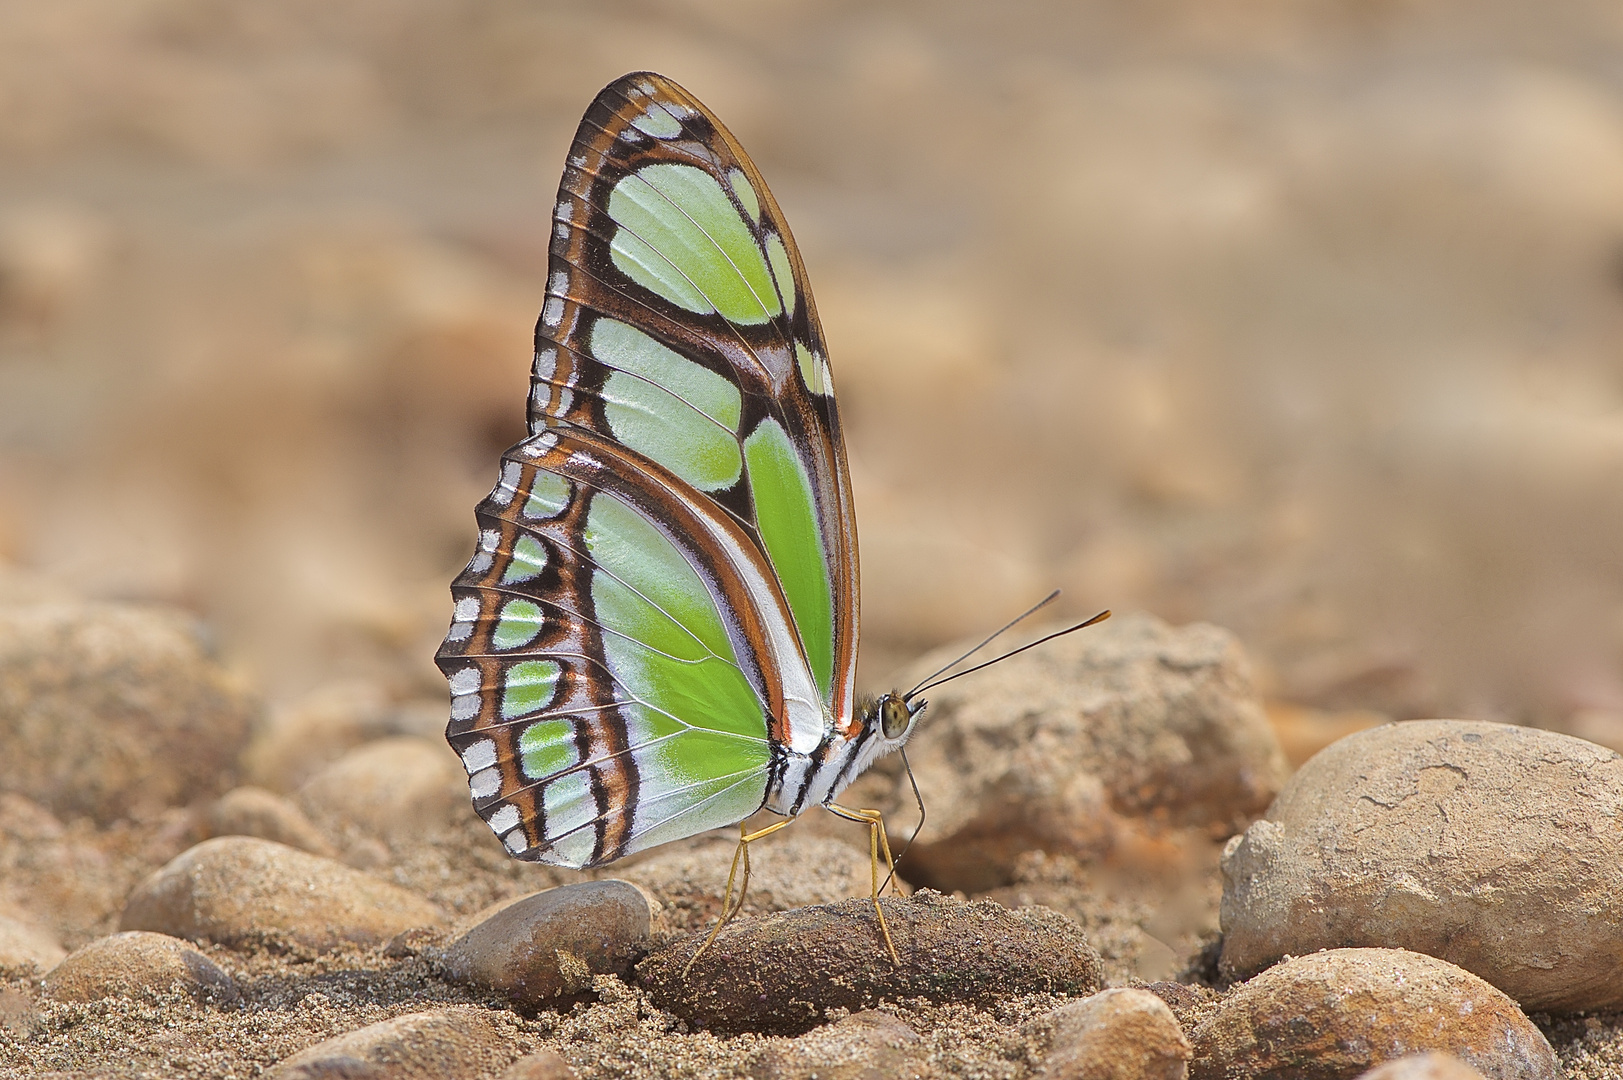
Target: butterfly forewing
point(665, 589)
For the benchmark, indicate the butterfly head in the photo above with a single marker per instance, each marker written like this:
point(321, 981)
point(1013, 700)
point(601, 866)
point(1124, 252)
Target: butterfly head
point(895, 715)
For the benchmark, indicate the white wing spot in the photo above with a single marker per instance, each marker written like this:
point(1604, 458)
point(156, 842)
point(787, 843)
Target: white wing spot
point(480, 563)
point(559, 283)
point(467, 609)
point(565, 211)
point(486, 783)
point(553, 313)
point(504, 820)
point(645, 86)
point(465, 707)
point(489, 540)
point(480, 756)
point(515, 842)
point(546, 363)
point(507, 487)
point(465, 680)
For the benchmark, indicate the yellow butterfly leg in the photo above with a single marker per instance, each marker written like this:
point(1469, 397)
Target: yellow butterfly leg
point(877, 842)
point(728, 909)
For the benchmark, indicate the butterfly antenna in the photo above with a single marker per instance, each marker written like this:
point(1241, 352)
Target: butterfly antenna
point(993, 636)
point(918, 797)
point(1101, 617)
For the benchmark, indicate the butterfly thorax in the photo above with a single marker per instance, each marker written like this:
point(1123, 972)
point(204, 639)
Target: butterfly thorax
point(880, 726)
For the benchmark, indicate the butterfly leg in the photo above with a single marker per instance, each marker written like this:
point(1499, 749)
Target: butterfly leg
point(728, 908)
point(878, 843)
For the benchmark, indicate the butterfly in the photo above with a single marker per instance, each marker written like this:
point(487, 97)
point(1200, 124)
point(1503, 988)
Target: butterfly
point(657, 634)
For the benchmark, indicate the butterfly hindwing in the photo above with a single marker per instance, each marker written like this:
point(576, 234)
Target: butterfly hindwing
point(666, 583)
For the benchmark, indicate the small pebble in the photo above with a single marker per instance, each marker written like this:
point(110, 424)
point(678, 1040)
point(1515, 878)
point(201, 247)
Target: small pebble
point(18, 1014)
point(396, 788)
point(300, 737)
point(24, 943)
point(253, 811)
point(1496, 848)
point(239, 890)
point(862, 1046)
point(550, 944)
point(780, 973)
point(434, 1045)
point(1123, 1034)
point(1423, 1067)
point(541, 1065)
point(133, 962)
point(1335, 1014)
point(114, 710)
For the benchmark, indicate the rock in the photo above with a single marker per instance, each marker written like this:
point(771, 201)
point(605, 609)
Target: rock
point(113, 710)
point(550, 944)
point(238, 890)
point(541, 1065)
point(430, 1045)
point(1116, 1035)
point(22, 943)
point(1423, 1067)
point(136, 962)
point(1332, 1015)
point(1493, 847)
point(788, 870)
point(869, 1045)
point(253, 811)
point(300, 738)
point(395, 789)
point(1084, 744)
point(780, 973)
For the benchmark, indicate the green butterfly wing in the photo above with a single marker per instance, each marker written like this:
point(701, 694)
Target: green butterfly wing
point(664, 599)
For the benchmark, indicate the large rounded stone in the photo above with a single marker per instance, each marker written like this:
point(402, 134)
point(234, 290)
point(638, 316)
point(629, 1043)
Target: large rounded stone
point(133, 962)
point(1494, 847)
point(1121, 730)
point(418, 1046)
point(241, 890)
point(112, 710)
point(1332, 1015)
point(781, 973)
point(550, 944)
point(1124, 1034)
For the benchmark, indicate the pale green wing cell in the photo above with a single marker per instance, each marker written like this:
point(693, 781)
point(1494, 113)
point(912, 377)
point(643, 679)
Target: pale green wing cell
point(662, 405)
point(786, 515)
point(520, 623)
point(682, 238)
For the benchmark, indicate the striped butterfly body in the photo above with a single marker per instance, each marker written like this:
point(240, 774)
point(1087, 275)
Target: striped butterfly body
point(657, 634)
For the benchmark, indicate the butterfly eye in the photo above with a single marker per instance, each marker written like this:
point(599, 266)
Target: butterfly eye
point(893, 717)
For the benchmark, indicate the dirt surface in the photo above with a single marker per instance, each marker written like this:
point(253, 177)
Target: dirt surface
point(1301, 321)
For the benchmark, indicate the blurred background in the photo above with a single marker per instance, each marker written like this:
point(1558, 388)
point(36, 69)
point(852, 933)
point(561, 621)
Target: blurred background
point(1305, 319)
